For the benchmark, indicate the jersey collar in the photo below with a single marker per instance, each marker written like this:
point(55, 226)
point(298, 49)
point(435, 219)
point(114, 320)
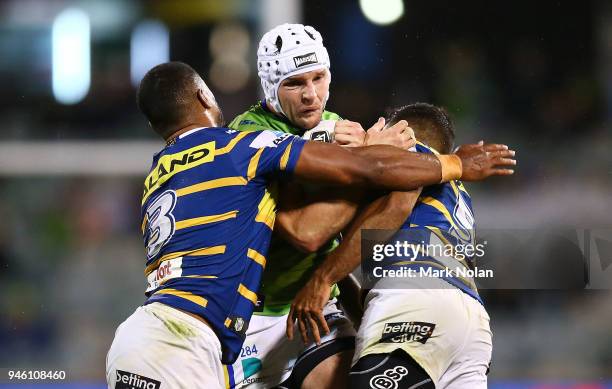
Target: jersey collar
point(191, 132)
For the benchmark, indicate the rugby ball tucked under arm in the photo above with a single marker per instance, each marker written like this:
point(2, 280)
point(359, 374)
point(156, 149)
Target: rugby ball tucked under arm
point(323, 132)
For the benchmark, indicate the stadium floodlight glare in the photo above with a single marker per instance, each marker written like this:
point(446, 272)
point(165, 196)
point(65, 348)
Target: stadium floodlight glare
point(149, 46)
point(71, 56)
point(382, 12)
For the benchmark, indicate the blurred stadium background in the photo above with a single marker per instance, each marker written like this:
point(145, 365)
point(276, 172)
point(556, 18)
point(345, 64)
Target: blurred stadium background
point(74, 150)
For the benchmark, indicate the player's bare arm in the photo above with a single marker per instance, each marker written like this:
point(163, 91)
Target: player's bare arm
point(391, 168)
point(388, 212)
point(308, 221)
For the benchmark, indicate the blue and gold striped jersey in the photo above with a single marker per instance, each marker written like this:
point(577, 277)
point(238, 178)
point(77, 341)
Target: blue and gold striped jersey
point(207, 220)
point(442, 217)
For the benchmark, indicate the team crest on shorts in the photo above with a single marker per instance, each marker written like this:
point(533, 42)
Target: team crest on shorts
point(238, 324)
point(127, 380)
point(400, 332)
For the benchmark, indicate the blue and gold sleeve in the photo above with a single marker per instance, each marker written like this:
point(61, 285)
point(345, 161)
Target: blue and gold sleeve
point(272, 152)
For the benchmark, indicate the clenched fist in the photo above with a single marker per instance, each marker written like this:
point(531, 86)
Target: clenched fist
point(348, 133)
point(399, 135)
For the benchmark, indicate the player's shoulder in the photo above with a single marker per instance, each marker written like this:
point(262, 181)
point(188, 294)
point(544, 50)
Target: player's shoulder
point(219, 135)
point(267, 138)
point(240, 144)
point(256, 118)
point(219, 141)
point(259, 118)
point(328, 115)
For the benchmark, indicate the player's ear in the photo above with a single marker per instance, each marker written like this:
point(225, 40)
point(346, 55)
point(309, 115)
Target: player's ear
point(204, 99)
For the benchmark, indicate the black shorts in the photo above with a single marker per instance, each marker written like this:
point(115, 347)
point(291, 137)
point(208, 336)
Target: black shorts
point(396, 370)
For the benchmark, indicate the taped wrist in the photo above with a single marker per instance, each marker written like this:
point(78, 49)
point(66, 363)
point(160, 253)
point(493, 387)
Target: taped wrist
point(452, 167)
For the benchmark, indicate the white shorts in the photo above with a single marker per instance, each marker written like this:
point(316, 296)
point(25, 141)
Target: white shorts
point(444, 330)
point(161, 347)
point(267, 357)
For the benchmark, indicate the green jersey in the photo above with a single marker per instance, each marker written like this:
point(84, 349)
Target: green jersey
point(287, 269)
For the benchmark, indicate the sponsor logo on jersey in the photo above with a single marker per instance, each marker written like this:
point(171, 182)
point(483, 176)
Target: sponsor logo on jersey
point(269, 139)
point(400, 332)
point(389, 379)
point(166, 271)
point(280, 139)
point(127, 380)
point(320, 136)
point(306, 59)
point(171, 164)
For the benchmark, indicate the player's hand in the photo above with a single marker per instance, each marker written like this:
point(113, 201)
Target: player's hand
point(348, 133)
point(399, 135)
point(307, 309)
point(484, 160)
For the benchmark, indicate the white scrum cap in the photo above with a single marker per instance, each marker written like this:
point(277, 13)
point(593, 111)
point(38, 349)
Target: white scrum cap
point(288, 50)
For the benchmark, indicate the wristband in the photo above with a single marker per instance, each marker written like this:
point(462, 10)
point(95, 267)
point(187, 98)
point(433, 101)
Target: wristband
point(452, 167)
